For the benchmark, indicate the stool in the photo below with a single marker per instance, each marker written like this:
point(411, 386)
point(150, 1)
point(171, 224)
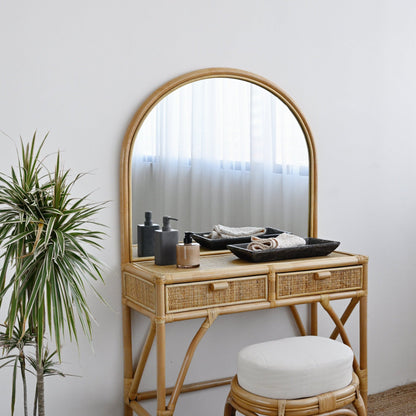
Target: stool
point(296, 376)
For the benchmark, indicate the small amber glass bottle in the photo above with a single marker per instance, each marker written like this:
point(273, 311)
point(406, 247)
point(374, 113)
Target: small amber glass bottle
point(187, 253)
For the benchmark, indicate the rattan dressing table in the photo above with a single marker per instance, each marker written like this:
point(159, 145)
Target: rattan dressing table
point(224, 284)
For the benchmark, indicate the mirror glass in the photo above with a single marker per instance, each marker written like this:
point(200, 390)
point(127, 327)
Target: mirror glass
point(221, 151)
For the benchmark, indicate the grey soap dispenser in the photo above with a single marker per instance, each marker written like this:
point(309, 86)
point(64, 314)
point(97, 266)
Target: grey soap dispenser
point(145, 236)
point(165, 241)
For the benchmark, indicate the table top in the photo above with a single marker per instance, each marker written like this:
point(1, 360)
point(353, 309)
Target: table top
point(227, 265)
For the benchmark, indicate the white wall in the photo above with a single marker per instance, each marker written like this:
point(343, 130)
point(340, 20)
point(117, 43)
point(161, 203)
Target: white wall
point(80, 69)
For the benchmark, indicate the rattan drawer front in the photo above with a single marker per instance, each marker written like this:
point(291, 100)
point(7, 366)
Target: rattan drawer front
point(319, 281)
point(199, 295)
point(139, 291)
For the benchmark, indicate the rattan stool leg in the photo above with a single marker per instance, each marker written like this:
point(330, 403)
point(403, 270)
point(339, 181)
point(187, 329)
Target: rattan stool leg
point(231, 407)
point(359, 405)
point(229, 410)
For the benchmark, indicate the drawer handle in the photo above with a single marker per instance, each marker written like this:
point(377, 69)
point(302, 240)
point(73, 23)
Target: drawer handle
point(321, 275)
point(219, 286)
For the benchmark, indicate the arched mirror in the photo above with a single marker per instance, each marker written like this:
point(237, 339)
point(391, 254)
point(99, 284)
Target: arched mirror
point(218, 146)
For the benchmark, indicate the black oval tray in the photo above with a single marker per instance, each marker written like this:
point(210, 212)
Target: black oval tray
point(221, 243)
point(314, 247)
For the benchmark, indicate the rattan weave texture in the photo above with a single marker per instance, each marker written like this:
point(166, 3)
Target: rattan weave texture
point(301, 283)
point(181, 297)
point(140, 291)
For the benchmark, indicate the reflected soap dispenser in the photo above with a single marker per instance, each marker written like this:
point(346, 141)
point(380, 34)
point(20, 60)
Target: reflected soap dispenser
point(145, 236)
point(165, 241)
point(187, 253)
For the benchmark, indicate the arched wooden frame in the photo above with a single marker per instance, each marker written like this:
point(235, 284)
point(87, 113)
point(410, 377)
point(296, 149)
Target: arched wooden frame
point(163, 91)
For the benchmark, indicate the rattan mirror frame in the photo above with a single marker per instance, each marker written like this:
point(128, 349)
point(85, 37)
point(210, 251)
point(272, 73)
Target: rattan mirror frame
point(159, 94)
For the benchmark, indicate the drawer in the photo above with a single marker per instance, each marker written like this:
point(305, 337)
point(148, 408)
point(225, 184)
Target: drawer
point(139, 291)
point(314, 282)
point(199, 295)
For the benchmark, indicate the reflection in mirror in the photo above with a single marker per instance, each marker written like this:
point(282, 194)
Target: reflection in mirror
point(221, 151)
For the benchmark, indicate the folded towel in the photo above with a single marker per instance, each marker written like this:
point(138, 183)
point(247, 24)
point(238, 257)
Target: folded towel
point(283, 240)
point(222, 231)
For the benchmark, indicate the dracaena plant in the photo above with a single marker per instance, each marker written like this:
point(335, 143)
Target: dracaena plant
point(14, 348)
point(47, 237)
point(15, 354)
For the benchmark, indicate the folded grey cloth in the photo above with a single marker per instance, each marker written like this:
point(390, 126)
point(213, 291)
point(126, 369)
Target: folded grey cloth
point(222, 231)
point(283, 240)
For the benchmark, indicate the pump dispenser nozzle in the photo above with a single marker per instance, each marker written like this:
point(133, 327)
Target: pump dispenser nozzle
point(148, 218)
point(188, 238)
point(166, 223)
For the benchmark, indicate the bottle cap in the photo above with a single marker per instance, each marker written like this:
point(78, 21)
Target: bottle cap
point(148, 218)
point(166, 223)
point(188, 238)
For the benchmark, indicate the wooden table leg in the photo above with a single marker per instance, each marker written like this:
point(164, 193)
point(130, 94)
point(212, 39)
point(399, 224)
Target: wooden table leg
point(363, 338)
point(314, 318)
point(161, 365)
point(363, 349)
point(161, 348)
point(128, 411)
point(128, 361)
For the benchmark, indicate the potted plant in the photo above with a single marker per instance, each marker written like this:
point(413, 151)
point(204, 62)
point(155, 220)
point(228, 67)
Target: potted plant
point(47, 238)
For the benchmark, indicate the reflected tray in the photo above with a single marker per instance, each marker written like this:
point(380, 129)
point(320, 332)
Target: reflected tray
point(221, 243)
point(314, 247)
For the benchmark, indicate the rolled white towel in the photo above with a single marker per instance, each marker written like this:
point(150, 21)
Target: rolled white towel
point(222, 231)
point(283, 240)
point(286, 240)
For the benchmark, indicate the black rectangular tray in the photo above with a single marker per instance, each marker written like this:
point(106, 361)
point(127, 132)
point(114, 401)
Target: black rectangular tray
point(221, 243)
point(314, 247)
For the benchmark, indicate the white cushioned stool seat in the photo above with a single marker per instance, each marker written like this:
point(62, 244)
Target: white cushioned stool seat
point(296, 367)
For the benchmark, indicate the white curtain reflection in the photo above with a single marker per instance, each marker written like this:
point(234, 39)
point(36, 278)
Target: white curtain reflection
point(221, 151)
